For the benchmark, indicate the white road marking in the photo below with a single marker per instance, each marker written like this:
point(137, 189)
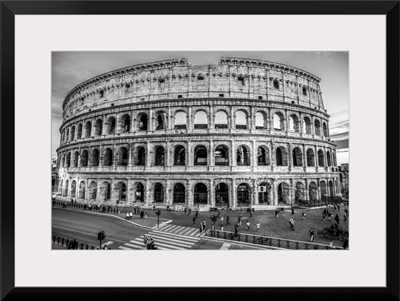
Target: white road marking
point(225, 246)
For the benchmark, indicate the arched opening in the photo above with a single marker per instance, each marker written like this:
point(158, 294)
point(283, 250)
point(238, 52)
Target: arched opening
point(222, 195)
point(334, 158)
point(281, 156)
point(160, 122)
point(241, 120)
point(325, 129)
point(200, 194)
point(76, 159)
point(317, 127)
point(120, 190)
point(307, 125)
point(276, 84)
point(200, 155)
point(105, 191)
point(331, 191)
point(125, 123)
point(321, 158)
point(179, 155)
point(312, 192)
point(221, 120)
point(264, 194)
point(200, 120)
point(68, 160)
point(243, 195)
point(108, 157)
point(67, 136)
point(283, 194)
point(242, 156)
point(141, 156)
point(92, 190)
point(79, 134)
point(180, 120)
point(95, 157)
point(143, 121)
point(221, 155)
point(123, 156)
point(88, 129)
point(63, 161)
point(73, 189)
point(98, 128)
point(159, 193)
point(110, 126)
point(294, 124)
point(299, 193)
point(179, 193)
point(82, 190)
point(60, 189)
point(159, 159)
point(73, 133)
point(260, 121)
point(139, 197)
point(66, 188)
point(324, 192)
point(297, 157)
point(310, 158)
point(279, 122)
point(328, 158)
point(263, 156)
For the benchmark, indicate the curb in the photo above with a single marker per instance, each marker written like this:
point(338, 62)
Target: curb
point(261, 247)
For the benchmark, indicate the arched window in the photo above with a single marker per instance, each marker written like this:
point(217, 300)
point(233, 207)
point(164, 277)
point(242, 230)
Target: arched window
point(84, 158)
point(105, 191)
point(321, 159)
point(331, 190)
point(139, 197)
point(264, 193)
point(299, 194)
point(221, 155)
point(328, 158)
point(120, 189)
point(143, 121)
point(66, 188)
point(179, 155)
point(312, 192)
point(317, 127)
point(179, 193)
point(260, 121)
point(98, 128)
point(158, 193)
point(241, 120)
point(63, 161)
point(125, 123)
point(88, 129)
point(68, 160)
point(200, 194)
point(307, 125)
point(310, 158)
point(263, 156)
point(141, 156)
point(221, 120)
point(160, 122)
point(283, 194)
point(123, 156)
point(92, 190)
point(79, 134)
point(95, 157)
point(334, 158)
point(279, 122)
point(180, 120)
point(73, 189)
point(108, 157)
point(325, 129)
point(324, 192)
point(281, 156)
point(294, 124)
point(222, 195)
point(200, 120)
point(242, 156)
point(73, 133)
point(67, 135)
point(276, 84)
point(110, 126)
point(297, 157)
point(200, 155)
point(243, 195)
point(76, 158)
point(159, 159)
point(82, 190)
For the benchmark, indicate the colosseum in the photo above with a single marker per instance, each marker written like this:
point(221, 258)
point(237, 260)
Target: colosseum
point(240, 133)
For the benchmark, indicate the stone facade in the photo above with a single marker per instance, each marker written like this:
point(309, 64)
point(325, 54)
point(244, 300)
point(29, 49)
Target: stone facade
point(240, 133)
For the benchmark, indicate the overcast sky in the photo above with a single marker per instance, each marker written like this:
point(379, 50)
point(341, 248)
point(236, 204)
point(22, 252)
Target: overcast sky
point(71, 68)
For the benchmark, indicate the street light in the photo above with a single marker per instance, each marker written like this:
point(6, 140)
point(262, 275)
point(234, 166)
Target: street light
point(158, 212)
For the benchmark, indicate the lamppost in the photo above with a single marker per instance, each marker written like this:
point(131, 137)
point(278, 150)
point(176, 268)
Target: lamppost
point(158, 212)
point(117, 206)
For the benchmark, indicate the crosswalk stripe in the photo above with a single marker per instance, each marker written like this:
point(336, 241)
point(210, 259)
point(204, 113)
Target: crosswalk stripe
point(169, 246)
point(176, 230)
point(107, 243)
point(135, 242)
point(180, 239)
point(172, 228)
point(189, 238)
point(174, 241)
point(167, 227)
point(125, 248)
point(192, 231)
point(186, 231)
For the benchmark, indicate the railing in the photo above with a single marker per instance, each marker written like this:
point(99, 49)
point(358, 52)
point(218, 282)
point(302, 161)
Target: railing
point(268, 241)
point(322, 202)
point(72, 244)
point(106, 209)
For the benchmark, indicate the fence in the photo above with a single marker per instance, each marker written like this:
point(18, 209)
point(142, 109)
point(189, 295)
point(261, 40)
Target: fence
point(72, 244)
point(106, 209)
point(268, 241)
point(322, 202)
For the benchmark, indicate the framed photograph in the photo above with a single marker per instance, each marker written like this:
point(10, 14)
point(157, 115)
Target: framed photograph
point(211, 148)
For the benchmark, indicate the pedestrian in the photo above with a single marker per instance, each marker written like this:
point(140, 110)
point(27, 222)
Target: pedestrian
point(130, 215)
point(236, 230)
point(258, 226)
point(248, 225)
point(218, 213)
point(323, 217)
point(194, 221)
point(227, 220)
point(154, 207)
point(292, 210)
point(141, 214)
point(345, 243)
point(250, 211)
point(190, 211)
point(127, 215)
point(185, 210)
point(276, 212)
point(331, 243)
point(204, 224)
point(240, 220)
point(201, 227)
point(303, 215)
point(337, 218)
point(134, 210)
point(197, 213)
point(222, 219)
point(324, 212)
point(222, 226)
point(291, 223)
point(312, 234)
point(338, 207)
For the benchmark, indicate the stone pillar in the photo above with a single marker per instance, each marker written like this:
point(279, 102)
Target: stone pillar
point(290, 159)
point(255, 192)
point(212, 193)
point(147, 196)
point(133, 122)
point(130, 150)
point(190, 119)
point(212, 153)
point(233, 157)
point(168, 193)
point(211, 124)
point(168, 156)
point(255, 156)
point(148, 155)
point(233, 202)
point(274, 188)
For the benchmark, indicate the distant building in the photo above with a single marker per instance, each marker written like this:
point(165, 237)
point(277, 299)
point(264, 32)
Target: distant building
point(54, 174)
point(344, 179)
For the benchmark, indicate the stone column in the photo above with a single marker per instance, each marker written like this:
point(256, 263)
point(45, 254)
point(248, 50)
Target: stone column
point(147, 199)
point(133, 122)
point(255, 192)
point(212, 193)
point(190, 119)
point(130, 150)
point(255, 156)
point(148, 155)
point(274, 188)
point(233, 157)
point(233, 202)
point(212, 153)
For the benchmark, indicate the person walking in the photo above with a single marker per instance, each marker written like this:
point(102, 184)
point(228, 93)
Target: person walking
point(190, 211)
point(337, 218)
point(240, 220)
point(200, 227)
point(303, 215)
point(291, 223)
point(222, 219)
point(130, 215)
point(276, 212)
point(323, 216)
point(197, 213)
point(204, 224)
point(194, 221)
point(312, 234)
point(227, 220)
point(222, 226)
point(258, 226)
point(292, 210)
point(218, 213)
point(248, 225)
point(236, 230)
point(127, 215)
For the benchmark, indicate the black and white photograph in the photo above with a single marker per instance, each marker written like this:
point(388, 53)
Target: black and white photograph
point(200, 150)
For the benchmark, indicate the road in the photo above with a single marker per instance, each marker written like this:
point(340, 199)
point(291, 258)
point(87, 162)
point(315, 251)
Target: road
point(122, 235)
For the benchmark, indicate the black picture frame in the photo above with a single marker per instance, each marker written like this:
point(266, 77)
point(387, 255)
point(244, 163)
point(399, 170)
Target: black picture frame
point(9, 9)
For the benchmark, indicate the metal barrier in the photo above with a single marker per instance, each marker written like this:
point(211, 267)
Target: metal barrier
point(72, 244)
point(319, 203)
point(268, 241)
